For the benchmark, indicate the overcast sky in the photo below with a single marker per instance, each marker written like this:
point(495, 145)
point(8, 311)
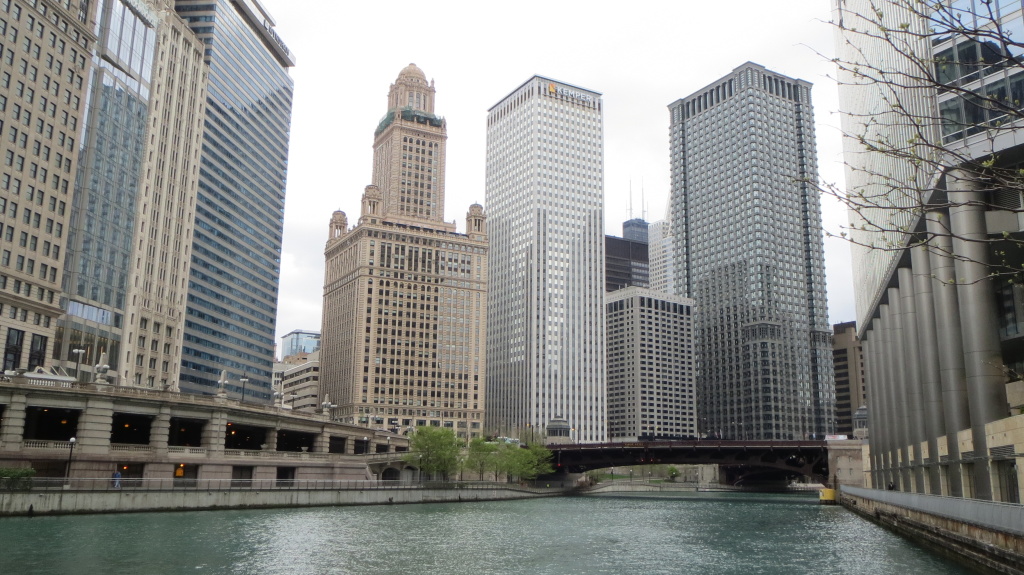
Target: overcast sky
point(641, 55)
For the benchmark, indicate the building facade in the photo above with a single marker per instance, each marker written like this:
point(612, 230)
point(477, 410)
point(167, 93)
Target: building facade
point(236, 244)
point(748, 248)
point(299, 341)
point(651, 368)
point(626, 263)
point(127, 254)
point(848, 360)
point(545, 201)
point(942, 333)
point(300, 382)
point(405, 294)
point(47, 62)
point(660, 256)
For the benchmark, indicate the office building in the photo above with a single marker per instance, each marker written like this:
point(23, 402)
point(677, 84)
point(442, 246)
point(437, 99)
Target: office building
point(851, 394)
point(748, 249)
point(127, 252)
point(236, 244)
point(47, 62)
point(660, 255)
point(651, 371)
point(299, 382)
point(545, 201)
point(626, 263)
point(299, 341)
point(942, 336)
point(635, 230)
point(405, 294)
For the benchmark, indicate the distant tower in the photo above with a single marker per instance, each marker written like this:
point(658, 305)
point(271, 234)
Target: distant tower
point(660, 255)
point(747, 223)
point(545, 199)
point(404, 314)
point(635, 230)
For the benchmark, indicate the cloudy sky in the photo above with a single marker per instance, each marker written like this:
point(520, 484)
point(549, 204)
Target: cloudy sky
point(641, 55)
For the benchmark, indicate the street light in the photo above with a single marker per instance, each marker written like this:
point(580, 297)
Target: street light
point(631, 476)
point(243, 381)
point(366, 445)
point(78, 363)
point(67, 468)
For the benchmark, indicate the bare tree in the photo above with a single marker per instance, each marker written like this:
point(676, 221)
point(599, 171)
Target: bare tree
point(933, 98)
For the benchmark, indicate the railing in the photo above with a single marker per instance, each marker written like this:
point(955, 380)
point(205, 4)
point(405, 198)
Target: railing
point(44, 444)
point(1004, 517)
point(177, 450)
point(130, 447)
point(131, 484)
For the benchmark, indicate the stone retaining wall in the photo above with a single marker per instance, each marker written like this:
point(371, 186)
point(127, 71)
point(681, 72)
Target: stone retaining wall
point(968, 543)
point(125, 501)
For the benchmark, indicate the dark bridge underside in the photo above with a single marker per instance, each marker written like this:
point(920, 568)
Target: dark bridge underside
point(778, 458)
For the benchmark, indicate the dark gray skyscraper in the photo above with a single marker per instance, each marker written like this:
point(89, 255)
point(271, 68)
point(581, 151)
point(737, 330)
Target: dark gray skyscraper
point(748, 249)
point(232, 285)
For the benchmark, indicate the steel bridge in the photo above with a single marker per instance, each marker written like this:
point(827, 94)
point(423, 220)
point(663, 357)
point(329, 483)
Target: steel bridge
point(742, 460)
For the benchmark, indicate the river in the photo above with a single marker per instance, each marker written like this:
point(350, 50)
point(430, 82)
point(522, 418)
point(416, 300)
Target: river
point(706, 534)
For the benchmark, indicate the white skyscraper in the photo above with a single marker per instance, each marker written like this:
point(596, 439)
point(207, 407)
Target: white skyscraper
point(545, 319)
point(660, 255)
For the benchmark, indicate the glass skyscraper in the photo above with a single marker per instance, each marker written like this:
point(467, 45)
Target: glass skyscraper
point(236, 247)
point(746, 221)
point(545, 305)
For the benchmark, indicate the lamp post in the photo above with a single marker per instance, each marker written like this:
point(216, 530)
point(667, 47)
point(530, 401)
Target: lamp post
point(366, 445)
point(78, 363)
point(279, 399)
point(631, 476)
point(243, 381)
point(67, 468)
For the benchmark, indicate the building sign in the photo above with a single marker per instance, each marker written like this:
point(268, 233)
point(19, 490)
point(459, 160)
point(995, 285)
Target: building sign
point(569, 93)
point(270, 30)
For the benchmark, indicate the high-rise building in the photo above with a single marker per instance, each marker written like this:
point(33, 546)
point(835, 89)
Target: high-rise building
point(127, 256)
point(404, 294)
point(748, 248)
point(43, 80)
point(651, 372)
point(236, 245)
point(635, 230)
point(299, 341)
point(942, 336)
point(545, 201)
point(660, 256)
point(626, 263)
point(849, 367)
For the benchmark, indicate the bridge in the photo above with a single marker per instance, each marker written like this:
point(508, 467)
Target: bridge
point(741, 460)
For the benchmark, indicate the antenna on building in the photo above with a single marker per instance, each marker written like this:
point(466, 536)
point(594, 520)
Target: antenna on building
point(643, 203)
point(631, 198)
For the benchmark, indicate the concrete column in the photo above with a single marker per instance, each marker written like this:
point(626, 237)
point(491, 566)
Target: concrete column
point(271, 439)
point(95, 425)
point(887, 399)
point(950, 345)
point(322, 442)
point(160, 431)
point(898, 389)
point(870, 381)
point(911, 383)
point(931, 384)
point(983, 361)
point(213, 434)
point(12, 426)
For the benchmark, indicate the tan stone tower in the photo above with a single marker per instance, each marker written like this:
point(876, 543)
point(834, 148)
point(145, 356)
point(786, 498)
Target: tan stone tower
point(409, 152)
point(404, 318)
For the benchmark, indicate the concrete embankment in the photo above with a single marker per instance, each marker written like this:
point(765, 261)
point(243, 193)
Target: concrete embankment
point(59, 502)
point(976, 533)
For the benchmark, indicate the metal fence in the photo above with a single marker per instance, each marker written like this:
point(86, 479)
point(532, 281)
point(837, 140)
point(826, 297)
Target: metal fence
point(136, 484)
point(1003, 517)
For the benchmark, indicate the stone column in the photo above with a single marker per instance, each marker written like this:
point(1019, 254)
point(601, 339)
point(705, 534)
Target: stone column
point(271, 438)
point(95, 425)
point(950, 345)
point(911, 382)
point(161, 430)
point(12, 426)
point(322, 442)
point(213, 434)
point(983, 360)
point(931, 384)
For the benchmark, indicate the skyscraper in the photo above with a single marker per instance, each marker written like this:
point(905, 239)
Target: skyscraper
point(299, 341)
point(651, 391)
point(545, 201)
point(42, 101)
point(660, 255)
point(127, 259)
point(236, 245)
point(748, 249)
point(405, 294)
